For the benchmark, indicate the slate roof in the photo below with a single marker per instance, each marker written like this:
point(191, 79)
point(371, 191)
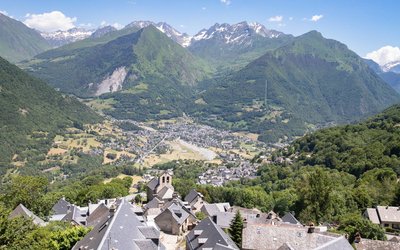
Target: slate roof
point(214, 208)
point(339, 243)
point(76, 214)
point(178, 213)
point(97, 215)
point(120, 230)
point(192, 195)
point(388, 214)
point(373, 215)
point(366, 244)
point(289, 218)
point(149, 232)
point(61, 207)
point(266, 236)
point(21, 210)
point(153, 183)
point(93, 239)
point(145, 244)
point(166, 193)
point(224, 219)
point(207, 235)
point(286, 246)
point(154, 203)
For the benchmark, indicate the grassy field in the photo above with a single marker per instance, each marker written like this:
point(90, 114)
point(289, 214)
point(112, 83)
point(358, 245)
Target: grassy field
point(178, 152)
point(100, 105)
point(135, 180)
point(118, 153)
point(85, 141)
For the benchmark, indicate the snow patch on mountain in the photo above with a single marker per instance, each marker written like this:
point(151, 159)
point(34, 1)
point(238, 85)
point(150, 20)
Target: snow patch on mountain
point(60, 38)
point(388, 58)
point(181, 38)
point(239, 33)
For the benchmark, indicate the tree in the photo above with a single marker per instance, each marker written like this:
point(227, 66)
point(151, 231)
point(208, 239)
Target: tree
point(26, 190)
point(236, 229)
point(138, 199)
point(316, 196)
point(354, 223)
point(200, 215)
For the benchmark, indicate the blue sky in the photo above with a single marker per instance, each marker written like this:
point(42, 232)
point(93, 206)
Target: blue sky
point(364, 25)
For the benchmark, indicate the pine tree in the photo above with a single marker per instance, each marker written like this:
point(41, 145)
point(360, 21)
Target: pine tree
point(236, 228)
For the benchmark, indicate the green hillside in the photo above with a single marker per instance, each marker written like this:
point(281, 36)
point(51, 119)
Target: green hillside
point(225, 56)
point(374, 143)
point(310, 81)
point(32, 112)
point(18, 42)
point(156, 73)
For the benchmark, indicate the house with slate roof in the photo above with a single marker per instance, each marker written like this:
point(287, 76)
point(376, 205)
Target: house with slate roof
point(367, 244)
point(76, 215)
point(290, 237)
point(22, 211)
point(195, 200)
point(175, 218)
point(160, 187)
point(207, 235)
point(121, 228)
point(60, 209)
point(96, 216)
point(214, 208)
point(289, 218)
point(384, 216)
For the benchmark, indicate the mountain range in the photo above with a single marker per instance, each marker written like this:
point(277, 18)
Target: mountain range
point(18, 42)
point(31, 112)
point(241, 77)
point(311, 80)
point(60, 38)
point(389, 75)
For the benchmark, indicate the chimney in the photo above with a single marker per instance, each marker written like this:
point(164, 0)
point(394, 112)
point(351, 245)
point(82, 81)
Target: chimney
point(311, 228)
point(357, 237)
point(113, 208)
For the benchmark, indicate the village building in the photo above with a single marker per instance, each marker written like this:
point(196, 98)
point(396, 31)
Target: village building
point(121, 228)
point(160, 187)
point(285, 236)
point(65, 211)
point(95, 216)
point(22, 211)
point(385, 216)
point(289, 218)
point(207, 235)
point(214, 208)
point(195, 200)
point(60, 209)
point(367, 244)
point(175, 218)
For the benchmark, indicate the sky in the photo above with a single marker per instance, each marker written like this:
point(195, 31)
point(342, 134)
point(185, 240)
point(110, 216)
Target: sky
point(364, 26)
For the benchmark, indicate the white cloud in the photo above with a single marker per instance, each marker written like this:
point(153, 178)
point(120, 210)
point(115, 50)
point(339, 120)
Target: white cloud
point(118, 26)
point(226, 2)
point(385, 55)
point(291, 18)
point(276, 19)
point(316, 18)
point(51, 21)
